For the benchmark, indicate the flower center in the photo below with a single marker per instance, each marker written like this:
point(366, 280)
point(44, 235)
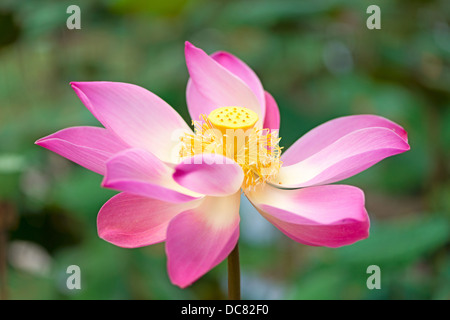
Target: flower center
point(231, 132)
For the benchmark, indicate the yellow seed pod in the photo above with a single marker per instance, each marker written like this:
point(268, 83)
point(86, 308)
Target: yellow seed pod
point(233, 118)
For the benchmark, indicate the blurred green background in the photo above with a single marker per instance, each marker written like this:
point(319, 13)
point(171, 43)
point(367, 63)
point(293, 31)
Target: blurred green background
point(319, 61)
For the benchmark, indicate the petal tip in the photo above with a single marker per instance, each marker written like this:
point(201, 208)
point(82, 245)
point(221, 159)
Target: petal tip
point(405, 146)
point(189, 45)
point(180, 283)
point(42, 142)
point(74, 84)
point(191, 51)
point(408, 147)
point(219, 54)
point(104, 183)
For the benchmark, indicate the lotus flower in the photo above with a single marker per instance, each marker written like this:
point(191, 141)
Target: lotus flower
point(182, 187)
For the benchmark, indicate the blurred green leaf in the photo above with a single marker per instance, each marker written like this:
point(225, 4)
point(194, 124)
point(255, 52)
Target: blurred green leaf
point(11, 163)
point(397, 243)
point(269, 12)
point(26, 286)
point(320, 285)
point(80, 192)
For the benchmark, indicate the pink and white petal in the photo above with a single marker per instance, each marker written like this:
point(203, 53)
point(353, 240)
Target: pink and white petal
point(344, 158)
point(241, 70)
point(198, 104)
point(214, 86)
point(200, 238)
point(331, 131)
point(333, 236)
point(139, 172)
point(89, 147)
point(331, 216)
point(136, 115)
point(272, 119)
point(210, 174)
point(132, 221)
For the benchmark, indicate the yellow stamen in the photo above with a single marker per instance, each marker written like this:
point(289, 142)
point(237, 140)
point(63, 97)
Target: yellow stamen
point(230, 131)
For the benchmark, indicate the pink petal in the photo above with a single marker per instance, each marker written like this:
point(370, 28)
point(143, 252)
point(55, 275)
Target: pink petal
point(139, 172)
point(331, 131)
point(200, 238)
point(132, 221)
point(212, 86)
point(136, 115)
point(210, 174)
point(331, 216)
point(344, 158)
point(89, 147)
point(241, 70)
point(198, 104)
point(272, 119)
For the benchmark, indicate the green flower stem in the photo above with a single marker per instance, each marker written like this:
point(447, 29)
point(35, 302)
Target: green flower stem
point(234, 275)
point(7, 219)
